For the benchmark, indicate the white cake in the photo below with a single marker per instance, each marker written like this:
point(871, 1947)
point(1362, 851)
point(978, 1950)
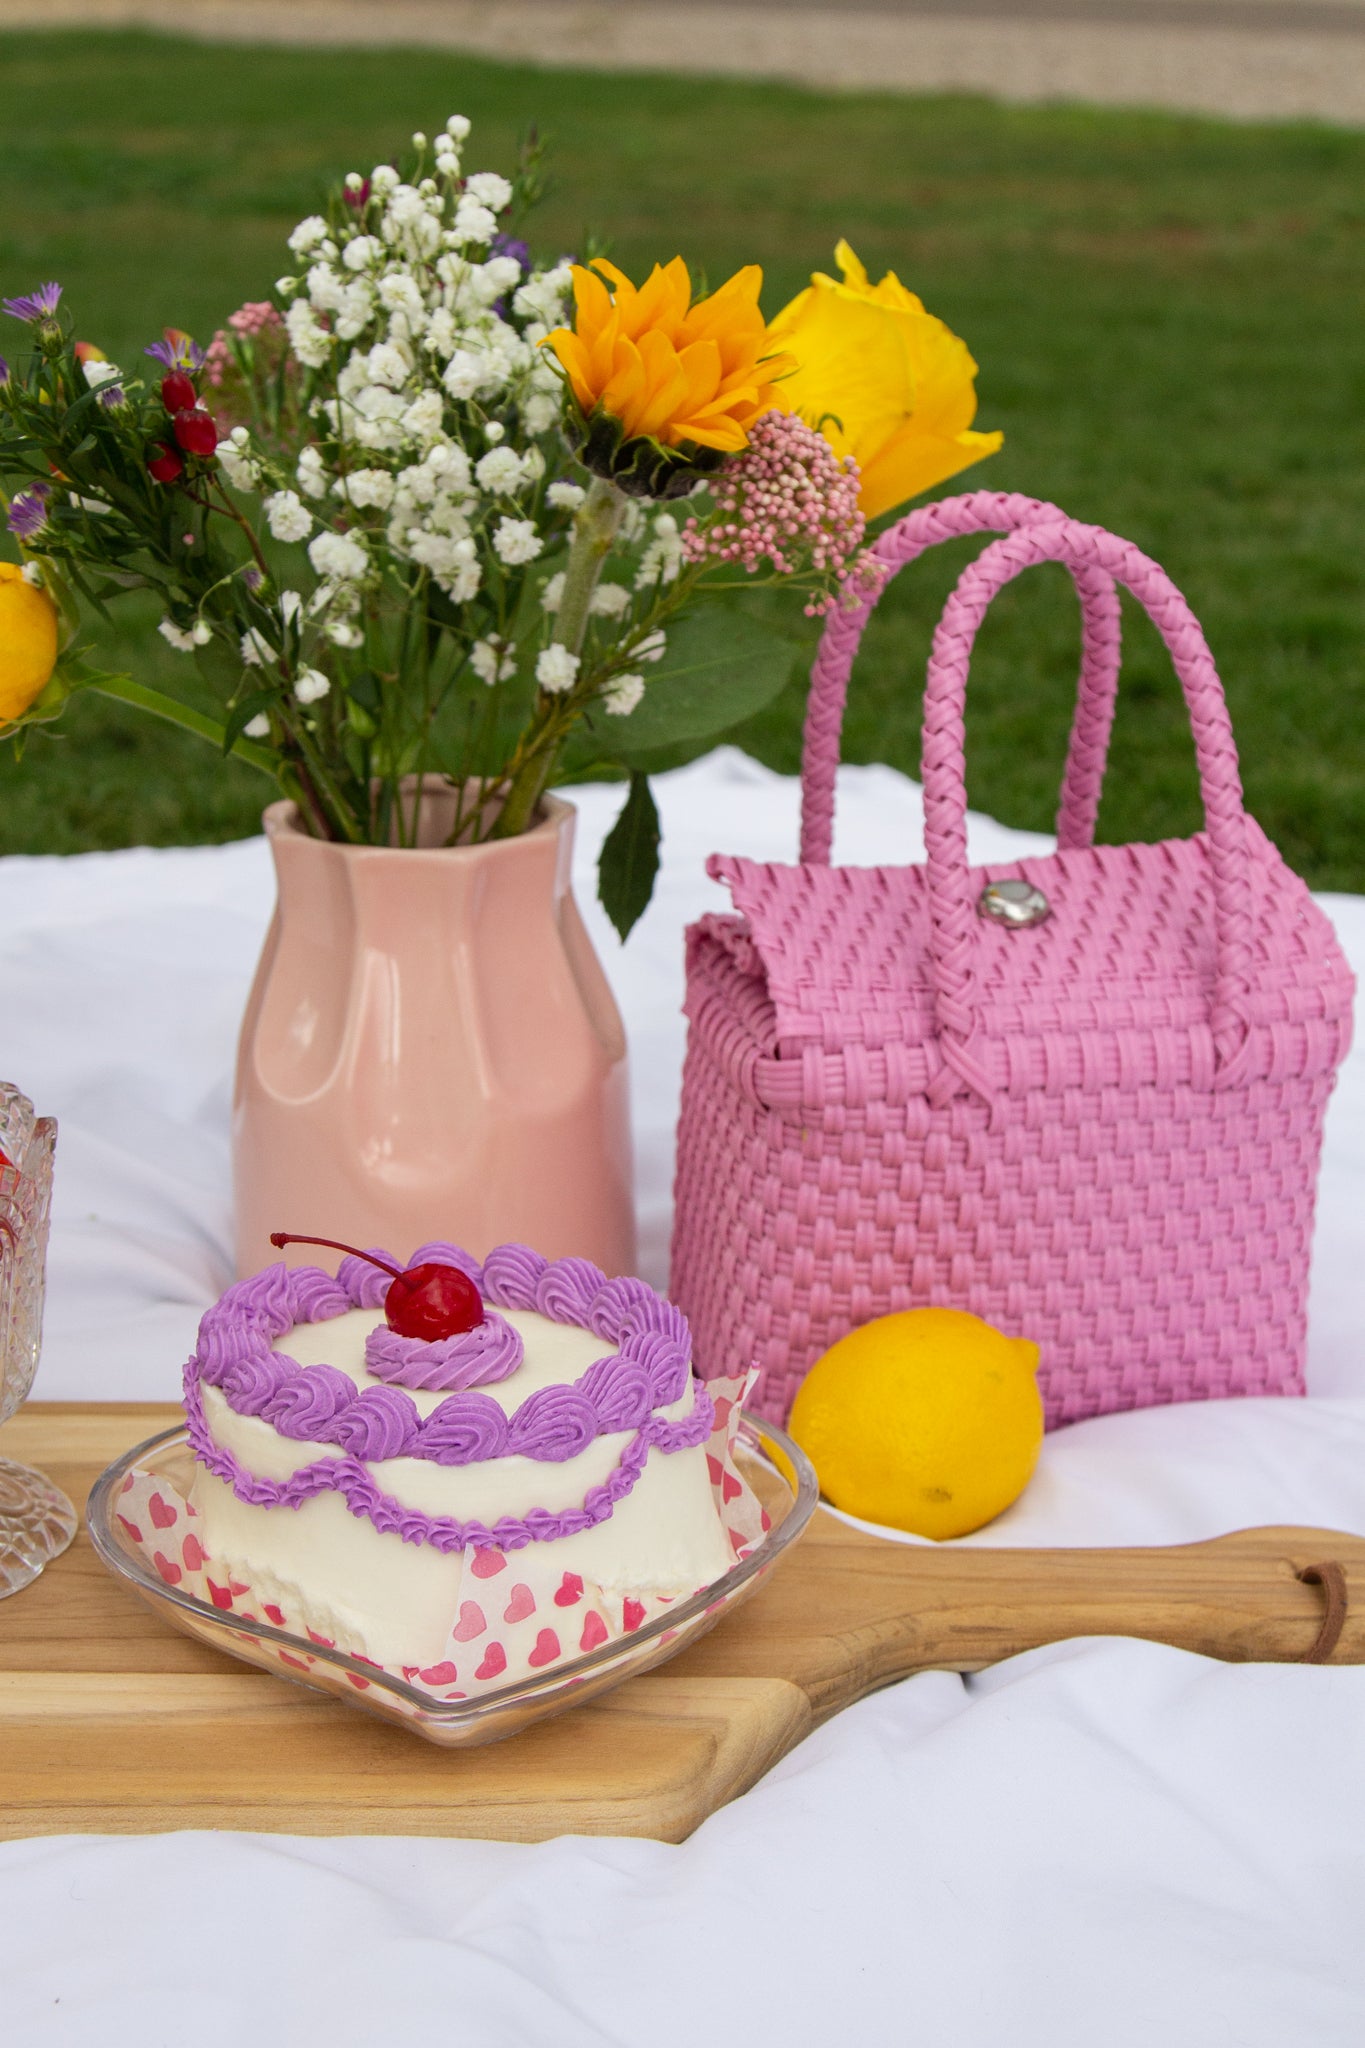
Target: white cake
point(503, 1499)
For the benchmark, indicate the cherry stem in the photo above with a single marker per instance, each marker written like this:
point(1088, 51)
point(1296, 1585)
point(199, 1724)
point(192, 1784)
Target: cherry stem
point(280, 1238)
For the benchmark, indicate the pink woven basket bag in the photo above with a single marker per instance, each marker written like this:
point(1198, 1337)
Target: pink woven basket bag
point(1098, 1126)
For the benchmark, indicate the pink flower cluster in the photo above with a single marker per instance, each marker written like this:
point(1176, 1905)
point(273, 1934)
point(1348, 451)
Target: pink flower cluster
point(253, 318)
point(787, 499)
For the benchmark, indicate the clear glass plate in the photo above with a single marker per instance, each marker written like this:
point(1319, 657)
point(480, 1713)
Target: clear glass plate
point(774, 1466)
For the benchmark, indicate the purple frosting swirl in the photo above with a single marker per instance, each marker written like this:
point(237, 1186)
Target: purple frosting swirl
point(307, 1399)
point(619, 1389)
point(465, 1430)
point(614, 1303)
point(249, 1383)
point(511, 1274)
point(566, 1289)
point(439, 1253)
point(553, 1424)
point(480, 1357)
point(380, 1423)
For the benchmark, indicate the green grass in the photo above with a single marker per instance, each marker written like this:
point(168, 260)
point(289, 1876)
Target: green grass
point(1166, 312)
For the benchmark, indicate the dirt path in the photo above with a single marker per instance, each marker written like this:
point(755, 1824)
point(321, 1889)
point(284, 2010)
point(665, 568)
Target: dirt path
point(1274, 59)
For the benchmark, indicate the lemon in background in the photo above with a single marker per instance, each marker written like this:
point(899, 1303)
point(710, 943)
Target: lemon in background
point(928, 1420)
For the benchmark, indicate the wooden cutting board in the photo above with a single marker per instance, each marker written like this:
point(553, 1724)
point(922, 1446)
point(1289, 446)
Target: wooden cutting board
point(110, 1722)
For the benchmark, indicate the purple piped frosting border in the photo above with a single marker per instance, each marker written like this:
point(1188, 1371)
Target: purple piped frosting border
point(320, 1404)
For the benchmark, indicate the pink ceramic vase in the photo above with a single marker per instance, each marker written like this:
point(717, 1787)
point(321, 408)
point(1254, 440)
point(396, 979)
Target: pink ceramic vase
point(431, 1050)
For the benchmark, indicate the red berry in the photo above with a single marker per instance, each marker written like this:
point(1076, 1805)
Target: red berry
point(177, 392)
point(430, 1301)
point(196, 432)
point(165, 465)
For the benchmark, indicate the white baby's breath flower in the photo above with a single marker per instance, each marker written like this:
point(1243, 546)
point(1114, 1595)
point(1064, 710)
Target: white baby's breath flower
point(450, 464)
point(651, 648)
point(311, 685)
point(610, 600)
point(256, 648)
point(241, 471)
point(338, 555)
point(458, 126)
point(494, 432)
point(493, 660)
point(311, 473)
point(366, 487)
point(326, 291)
point(447, 163)
point(474, 222)
point(439, 339)
point(622, 695)
point(422, 420)
point(291, 606)
point(552, 595)
point(556, 670)
point(500, 471)
point(516, 541)
point(632, 520)
point(308, 234)
point(361, 251)
point(178, 636)
point(539, 411)
point(355, 311)
point(565, 497)
point(101, 373)
point(32, 573)
point(383, 179)
point(389, 365)
point(465, 373)
point(489, 189)
point(342, 633)
point(662, 559)
point(310, 342)
point(257, 728)
point(398, 293)
point(289, 519)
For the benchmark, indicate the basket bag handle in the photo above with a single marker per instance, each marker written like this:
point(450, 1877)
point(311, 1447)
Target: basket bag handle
point(954, 928)
point(903, 543)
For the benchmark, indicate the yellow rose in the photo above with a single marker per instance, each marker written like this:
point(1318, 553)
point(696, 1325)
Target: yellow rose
point(28, 642)
point(884, 381)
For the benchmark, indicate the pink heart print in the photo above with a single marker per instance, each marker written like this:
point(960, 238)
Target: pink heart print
point(494, 1662)
point(486, 1564)
point(632, 1614)
point(171, 1573)
point(730, 1488)
point(594, 1631)
point(439, 1674)
point(522, 1603)
point(546, 1649)
point(162, 1513)
point(193, 1553)
point(570, 1590)
point(472, 1622)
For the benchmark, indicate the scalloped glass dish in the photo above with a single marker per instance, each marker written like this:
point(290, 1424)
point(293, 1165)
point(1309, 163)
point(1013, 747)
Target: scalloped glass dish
point(457, 1724)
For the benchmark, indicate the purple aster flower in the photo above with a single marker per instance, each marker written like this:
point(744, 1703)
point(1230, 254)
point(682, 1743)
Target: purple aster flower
point(113, 396)
point(508, 245)
point(28, 512)
point(177, 351)
point(4, 373)
point(39, 305)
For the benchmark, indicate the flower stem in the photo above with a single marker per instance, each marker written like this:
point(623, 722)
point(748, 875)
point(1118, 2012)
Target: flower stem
point(594, 529)
point(161, 706)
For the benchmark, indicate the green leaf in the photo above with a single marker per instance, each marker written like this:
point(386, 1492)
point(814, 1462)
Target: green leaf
point(630, 859)
point(721, 665)
point(240, 715)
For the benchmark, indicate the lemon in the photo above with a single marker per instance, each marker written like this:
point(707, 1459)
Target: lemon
point(28, 641)
point(929, 1420)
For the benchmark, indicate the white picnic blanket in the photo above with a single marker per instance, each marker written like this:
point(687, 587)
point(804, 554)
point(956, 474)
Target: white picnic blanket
point(1102, 1844)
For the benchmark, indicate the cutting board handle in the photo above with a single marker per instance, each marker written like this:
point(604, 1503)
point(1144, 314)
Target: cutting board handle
point(1264, 1595)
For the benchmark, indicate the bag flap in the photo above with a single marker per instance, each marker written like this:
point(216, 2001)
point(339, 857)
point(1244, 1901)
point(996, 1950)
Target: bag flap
point(1129, 942)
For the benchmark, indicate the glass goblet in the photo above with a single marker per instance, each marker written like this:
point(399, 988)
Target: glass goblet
point(37, 1521)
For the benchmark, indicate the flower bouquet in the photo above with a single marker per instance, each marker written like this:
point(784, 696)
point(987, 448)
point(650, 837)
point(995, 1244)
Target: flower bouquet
point(442, 514)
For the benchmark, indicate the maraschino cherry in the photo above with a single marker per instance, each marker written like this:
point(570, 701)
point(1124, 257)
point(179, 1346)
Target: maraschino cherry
point(428, 1301)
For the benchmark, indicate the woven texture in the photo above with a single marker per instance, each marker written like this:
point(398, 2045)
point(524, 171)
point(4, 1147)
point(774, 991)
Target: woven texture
point(1101, 1132)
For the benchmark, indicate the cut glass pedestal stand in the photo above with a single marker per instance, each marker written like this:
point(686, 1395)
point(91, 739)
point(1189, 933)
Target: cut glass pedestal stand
point(37, 1521)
